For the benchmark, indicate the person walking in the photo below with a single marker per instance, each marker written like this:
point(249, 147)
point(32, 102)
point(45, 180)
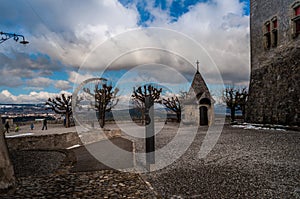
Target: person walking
point(7, 127)
point(31, 126)
point(44, 124)
point(17, 128)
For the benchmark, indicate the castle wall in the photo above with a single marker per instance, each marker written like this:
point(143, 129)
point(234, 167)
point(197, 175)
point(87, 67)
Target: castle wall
point(274, 93)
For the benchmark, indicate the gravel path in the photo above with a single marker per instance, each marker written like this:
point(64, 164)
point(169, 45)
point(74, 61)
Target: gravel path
point(243, 164)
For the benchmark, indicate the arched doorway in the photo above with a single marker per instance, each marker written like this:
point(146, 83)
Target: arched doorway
point(203, 116)
point(204, 104)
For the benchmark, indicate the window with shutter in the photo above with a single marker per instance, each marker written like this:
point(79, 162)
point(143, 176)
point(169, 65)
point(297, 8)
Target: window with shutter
point(296, 19)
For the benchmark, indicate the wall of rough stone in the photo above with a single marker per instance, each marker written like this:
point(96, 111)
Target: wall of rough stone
point(59, 141)
point(51, 141)
point(274, 93)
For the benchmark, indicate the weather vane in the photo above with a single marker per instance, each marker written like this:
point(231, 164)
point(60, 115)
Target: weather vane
point(5, 36)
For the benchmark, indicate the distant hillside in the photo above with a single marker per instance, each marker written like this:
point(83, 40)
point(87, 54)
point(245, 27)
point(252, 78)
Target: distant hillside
point(37, 109)
point(23, 109)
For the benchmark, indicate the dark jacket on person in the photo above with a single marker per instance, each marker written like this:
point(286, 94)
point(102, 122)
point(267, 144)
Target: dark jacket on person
point(7, 125)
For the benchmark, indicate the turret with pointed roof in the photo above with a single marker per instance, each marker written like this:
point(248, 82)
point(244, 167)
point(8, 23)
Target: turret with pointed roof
point(198, 104)
point(198, 86)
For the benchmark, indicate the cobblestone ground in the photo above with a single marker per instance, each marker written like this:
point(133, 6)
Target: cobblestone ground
point(243, 164)
point(48, 174)
point(97, 184)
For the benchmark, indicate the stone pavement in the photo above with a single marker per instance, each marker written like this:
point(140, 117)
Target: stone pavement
point(80, 176)
point(97, 184)
point(244, 163)
point(87, 162)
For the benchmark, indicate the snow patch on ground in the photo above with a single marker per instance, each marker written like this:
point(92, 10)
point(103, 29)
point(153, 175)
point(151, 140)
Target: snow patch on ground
point(257, 127)
point(74, 146)
point(19, 135)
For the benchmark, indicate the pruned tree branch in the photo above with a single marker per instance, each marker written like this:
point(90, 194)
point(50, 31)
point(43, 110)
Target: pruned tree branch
point(105, 99)
point(61, 105)
point(139, 95)
point(235, 99)
point(173, 104)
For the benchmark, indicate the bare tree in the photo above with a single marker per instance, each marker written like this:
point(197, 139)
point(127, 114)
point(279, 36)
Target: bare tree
point(235, 99)
point(61, 105)
point(173, 104)
point(242, 100)
point(141, 107)
point(105, 99)
point(142, 92)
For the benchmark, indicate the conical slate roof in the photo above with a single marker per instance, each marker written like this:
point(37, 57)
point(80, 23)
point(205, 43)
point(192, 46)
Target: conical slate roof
point(198, 86)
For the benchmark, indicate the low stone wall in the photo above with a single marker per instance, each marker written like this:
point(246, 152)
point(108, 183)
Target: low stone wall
point(58, 141)
point(90, 137)
point(51, 141)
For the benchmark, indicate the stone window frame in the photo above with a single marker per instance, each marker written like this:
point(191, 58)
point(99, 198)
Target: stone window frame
point(274, 31)
point(294, 19)
point(270, 31)
point(267, 35)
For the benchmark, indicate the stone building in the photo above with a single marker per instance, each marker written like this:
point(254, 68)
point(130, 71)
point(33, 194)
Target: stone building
point(198, 107)
point(274, 92)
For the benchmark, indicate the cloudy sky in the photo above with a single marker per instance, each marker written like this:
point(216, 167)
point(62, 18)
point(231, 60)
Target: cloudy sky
point(72, 40)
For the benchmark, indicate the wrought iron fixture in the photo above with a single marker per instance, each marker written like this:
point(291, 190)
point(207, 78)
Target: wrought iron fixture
point(5, 36)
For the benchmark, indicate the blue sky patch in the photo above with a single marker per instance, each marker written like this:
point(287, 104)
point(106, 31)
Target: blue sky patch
point(176, 9)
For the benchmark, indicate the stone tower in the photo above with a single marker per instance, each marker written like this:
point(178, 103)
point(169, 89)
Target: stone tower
point(274, 92)
point(199, 105)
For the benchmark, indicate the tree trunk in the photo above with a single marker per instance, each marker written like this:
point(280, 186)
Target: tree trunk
point(102, 121)
point(143, 115)
point(7, 177)
point(101, 118)
point(67, 120)
point(232, 114)
point(178, 114)
point(243, 112)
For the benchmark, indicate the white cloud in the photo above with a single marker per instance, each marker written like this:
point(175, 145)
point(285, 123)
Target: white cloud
point(39, 82)
point(80, 27)
point(32, 97)
point(222, 29)
point(76, 77)
point(66, 41)
point(63, 85)
point(6, 96)
point(218, 25)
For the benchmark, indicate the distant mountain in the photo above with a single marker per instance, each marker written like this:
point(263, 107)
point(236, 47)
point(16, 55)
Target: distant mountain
point(132, 112)
point(21, 105)
point(12, 109)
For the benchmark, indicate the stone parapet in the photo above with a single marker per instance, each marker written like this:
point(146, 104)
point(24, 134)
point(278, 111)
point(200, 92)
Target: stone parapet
point(59, 141)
